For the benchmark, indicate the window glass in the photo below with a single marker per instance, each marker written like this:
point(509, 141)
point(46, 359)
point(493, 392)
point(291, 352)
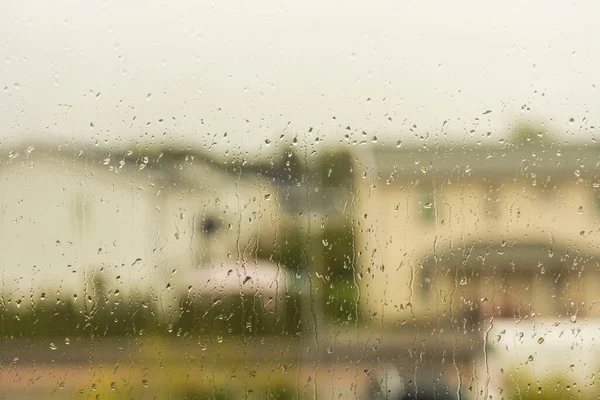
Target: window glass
point(299, 200)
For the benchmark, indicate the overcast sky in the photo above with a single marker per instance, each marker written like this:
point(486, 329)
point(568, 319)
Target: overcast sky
point(254, 68)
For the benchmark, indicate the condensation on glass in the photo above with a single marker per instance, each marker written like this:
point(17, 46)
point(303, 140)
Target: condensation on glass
point(299, 201)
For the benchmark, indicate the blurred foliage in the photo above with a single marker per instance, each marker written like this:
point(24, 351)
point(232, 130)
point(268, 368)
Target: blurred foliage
point(291, 245)
point(331, 168)
point(341, 302)
point(338, 254)
point(138, 316)
point(330, 253)
point(182, 385)
point(77, 318)
point(528, 388)
point(206, 394)
point(239, 315)
point(527, 133)
point(279, 393)
point(338, 257)
point(334, 169)
point(290, 169)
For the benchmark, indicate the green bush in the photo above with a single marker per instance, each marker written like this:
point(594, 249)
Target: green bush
point(100, 317)
point(206, 394)
point(238, 314)
point(280, 393)
point(341, 293)
point(527, 388)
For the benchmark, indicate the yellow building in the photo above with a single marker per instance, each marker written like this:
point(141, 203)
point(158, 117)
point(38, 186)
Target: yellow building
point(469, 232)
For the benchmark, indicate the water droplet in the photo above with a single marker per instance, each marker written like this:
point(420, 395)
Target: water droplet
point(67, 341)
point(463, 281)
point(573, 318)
point(113, 386)
point(145, 382)
point(427, 205)
point(540, 340)
point(52, 346)
point(325, 242)
point(580, 210)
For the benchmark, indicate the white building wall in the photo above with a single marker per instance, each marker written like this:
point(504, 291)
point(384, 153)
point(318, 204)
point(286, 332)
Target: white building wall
point(64, 220)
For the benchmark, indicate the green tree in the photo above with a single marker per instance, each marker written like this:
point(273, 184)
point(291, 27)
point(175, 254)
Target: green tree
point(334, 169)
point(530, 134)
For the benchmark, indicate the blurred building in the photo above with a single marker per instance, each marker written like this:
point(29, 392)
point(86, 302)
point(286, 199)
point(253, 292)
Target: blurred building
point(466, 232)
point(140, 221)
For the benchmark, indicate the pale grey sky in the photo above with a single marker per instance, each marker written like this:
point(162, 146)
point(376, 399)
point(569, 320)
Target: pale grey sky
point(205, 67)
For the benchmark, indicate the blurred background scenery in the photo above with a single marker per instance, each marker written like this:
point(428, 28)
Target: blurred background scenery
point(276, 200)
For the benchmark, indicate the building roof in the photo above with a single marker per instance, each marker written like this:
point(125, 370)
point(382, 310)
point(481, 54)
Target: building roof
point(464, 161)
point(181, 166)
